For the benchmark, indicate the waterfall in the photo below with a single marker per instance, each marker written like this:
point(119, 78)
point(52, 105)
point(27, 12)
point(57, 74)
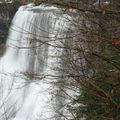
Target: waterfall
point(29, 66)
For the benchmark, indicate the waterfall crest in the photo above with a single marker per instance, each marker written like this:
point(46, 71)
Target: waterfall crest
point(27, 68)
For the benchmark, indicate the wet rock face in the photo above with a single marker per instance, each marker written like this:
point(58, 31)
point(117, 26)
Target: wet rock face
point(7, 11)
point(3, 32)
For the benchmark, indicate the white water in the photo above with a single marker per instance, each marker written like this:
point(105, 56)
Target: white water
point(27, 69)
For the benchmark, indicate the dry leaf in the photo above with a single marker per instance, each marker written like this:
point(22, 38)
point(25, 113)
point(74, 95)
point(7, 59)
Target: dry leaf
point(116, 41)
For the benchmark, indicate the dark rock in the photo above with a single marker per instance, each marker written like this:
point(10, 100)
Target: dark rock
point(7, 11)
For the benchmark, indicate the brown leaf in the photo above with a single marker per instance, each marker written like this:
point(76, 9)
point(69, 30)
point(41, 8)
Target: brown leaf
point(116, 41)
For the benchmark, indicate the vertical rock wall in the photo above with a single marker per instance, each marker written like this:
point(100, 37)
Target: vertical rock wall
point(7, 11)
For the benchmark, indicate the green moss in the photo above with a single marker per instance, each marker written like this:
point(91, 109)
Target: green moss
point(2, 49)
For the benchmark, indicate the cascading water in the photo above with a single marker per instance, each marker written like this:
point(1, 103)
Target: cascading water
point(27, 68)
